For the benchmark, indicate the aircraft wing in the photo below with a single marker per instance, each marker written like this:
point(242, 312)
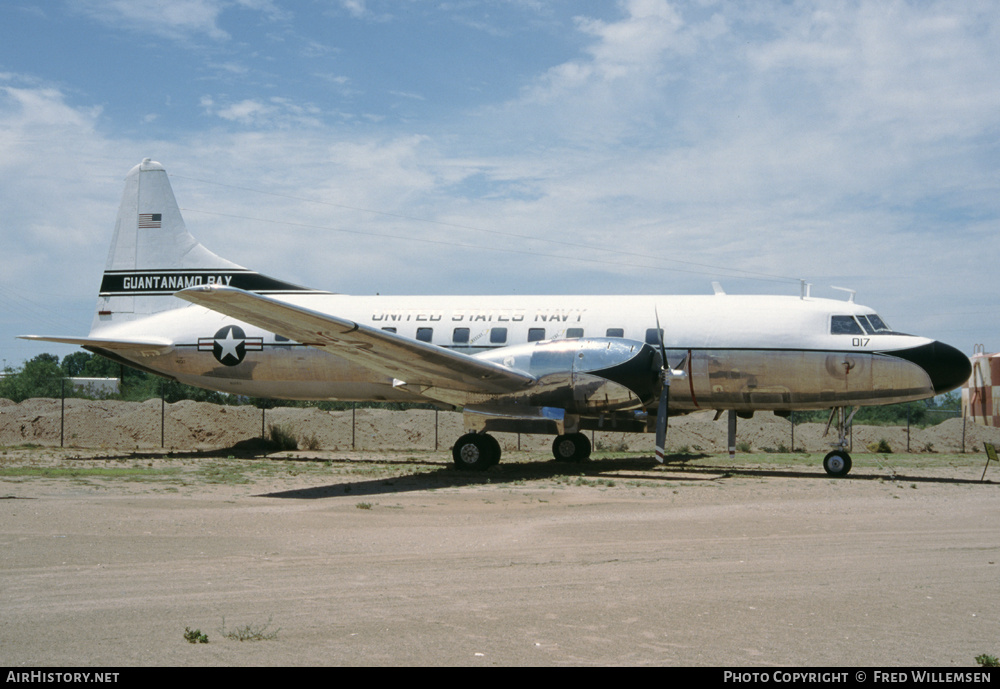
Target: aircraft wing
point(144, 347)
point(411, 362)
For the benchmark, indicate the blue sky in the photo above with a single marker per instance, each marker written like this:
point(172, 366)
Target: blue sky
point(519, 146)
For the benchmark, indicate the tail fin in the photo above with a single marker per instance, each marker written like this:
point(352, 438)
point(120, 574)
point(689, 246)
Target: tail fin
point(153, 255)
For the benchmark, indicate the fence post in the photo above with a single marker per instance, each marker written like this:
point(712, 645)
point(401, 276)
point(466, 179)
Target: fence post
point(907, 428)
point(163, 417)
point(354, 407)
point(62, 412)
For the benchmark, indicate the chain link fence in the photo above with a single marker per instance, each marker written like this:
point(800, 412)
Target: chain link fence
point(71, 420)
point(190, 425)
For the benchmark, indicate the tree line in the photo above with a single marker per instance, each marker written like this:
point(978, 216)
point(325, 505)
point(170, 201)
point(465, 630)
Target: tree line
point(44, 376)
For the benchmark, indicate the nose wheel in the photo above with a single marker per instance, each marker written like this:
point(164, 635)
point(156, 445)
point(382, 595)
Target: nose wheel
point(837, 463)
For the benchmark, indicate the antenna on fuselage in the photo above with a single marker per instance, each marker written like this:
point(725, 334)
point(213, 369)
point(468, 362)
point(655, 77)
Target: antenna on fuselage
point(851, 292)
point(806, 289)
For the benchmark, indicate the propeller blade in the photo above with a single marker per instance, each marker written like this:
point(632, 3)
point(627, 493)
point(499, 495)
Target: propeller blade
point(664, 408)
point(661, 416)
point(659, 334)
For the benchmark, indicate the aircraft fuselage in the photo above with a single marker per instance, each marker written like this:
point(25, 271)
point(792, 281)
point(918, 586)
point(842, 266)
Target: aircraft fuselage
point(738, 352)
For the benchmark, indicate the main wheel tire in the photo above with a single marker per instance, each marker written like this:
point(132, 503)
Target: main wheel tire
point(572, 447)
point(837, 463)
point(494, 449)
point(475, 452)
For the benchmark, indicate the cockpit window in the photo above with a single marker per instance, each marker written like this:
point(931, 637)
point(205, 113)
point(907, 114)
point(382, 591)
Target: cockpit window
point(859, 325)
point(879, 327)
point(844, 325)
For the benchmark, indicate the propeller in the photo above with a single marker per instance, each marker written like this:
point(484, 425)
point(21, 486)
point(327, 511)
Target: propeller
point(664, 408)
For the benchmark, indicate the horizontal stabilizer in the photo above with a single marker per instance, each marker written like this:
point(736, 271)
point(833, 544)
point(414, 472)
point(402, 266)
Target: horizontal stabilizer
point(146, 347)
point(416, 363)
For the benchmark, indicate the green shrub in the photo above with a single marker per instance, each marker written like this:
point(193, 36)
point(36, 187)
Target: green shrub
point(282, 437)
point(195, 636)
point(881, 447)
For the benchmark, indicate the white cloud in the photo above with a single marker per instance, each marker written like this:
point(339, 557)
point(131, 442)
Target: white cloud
point(276, 111)
point(168, 18)
point(246, 111)
point(359, 9)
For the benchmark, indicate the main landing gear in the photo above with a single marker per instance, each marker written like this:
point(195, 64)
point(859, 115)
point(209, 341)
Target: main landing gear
point(479, 451)
point(476, 452)
point(572, 447)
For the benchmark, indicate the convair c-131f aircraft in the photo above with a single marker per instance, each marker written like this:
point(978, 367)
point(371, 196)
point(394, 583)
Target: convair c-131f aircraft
point(531, 364)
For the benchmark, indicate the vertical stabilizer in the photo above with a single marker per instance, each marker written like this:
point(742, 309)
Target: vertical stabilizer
point(150, 232)
point(153, 255)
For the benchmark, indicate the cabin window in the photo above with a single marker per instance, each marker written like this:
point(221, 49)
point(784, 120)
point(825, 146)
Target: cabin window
point(654, 336)
point(573, 333)
point(389, 329)
point(536, 334)
point(460, 336)
point(615, 332)
point(844, 325)
point(425, 334)
point(498, 336)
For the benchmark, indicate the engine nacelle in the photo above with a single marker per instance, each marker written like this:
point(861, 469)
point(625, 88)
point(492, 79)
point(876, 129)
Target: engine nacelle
point(584, 375)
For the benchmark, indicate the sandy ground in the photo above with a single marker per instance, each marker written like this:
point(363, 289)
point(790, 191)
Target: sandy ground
point(358, 558)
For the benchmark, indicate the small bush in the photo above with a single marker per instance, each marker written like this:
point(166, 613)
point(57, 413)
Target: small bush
point(881, 447)
point(283, 438)
point(311, 442)
point(612, 445)
point(195, 636)
point(250, 632)
point(987, 660)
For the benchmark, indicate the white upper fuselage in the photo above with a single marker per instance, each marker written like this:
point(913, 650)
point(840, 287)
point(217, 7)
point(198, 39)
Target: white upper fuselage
point(688, 322)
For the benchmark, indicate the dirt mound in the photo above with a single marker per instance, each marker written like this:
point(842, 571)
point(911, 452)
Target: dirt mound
point(189, 425)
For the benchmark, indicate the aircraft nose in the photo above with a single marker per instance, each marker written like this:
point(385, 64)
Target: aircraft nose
point(946, 366)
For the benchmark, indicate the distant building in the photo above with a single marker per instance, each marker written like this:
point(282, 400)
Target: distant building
point(981, 394)
point(95, 386)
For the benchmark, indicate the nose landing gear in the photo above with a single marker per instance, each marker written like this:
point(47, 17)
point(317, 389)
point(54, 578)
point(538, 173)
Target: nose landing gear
point(838, 462)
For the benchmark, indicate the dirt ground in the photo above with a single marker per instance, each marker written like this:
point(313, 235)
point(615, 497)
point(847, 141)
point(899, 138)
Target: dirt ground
point(377, 558)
